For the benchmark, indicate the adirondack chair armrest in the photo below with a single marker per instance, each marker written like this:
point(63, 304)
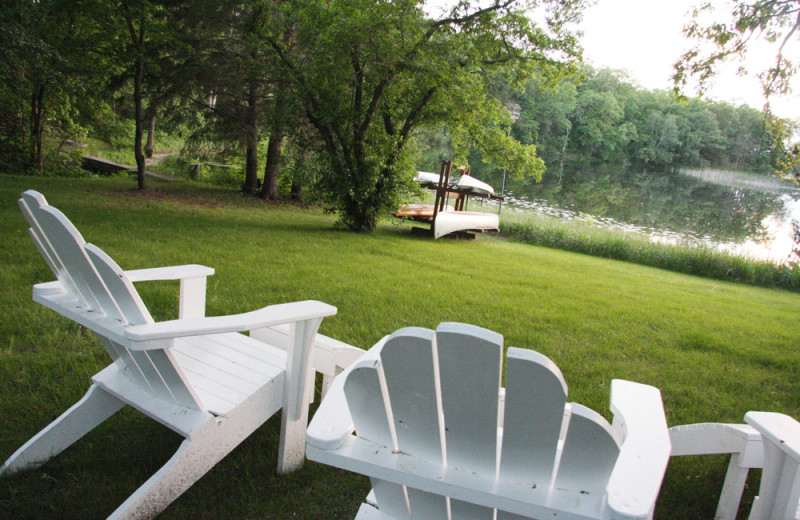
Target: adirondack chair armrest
point(645, 450)
point(332, 424)
point(779, 429)
point(718, 439)
point(158, 335)
point(175, 272)
point(192, 299)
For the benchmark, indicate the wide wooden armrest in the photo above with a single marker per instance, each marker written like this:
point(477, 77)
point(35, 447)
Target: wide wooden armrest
point(175, 272)
point(332, 424)
point(718, 439)
point(144, 337)
point(645, 451)
point(779, 429)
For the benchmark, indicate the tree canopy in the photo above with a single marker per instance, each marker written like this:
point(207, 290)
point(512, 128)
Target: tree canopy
point(361, 92)
point(723, 36)
point(366, 74)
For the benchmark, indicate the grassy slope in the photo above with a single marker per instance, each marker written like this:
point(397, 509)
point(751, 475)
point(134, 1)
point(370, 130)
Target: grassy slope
point(715, 349)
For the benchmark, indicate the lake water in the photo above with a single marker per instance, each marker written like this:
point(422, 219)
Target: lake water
point(753, 216)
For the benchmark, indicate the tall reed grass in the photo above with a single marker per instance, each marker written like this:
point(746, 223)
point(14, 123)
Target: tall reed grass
point(694, 259)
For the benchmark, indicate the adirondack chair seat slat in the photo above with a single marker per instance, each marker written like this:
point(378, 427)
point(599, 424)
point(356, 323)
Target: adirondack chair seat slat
point(199, 376)
point(578, 467)
point(215, 352)
point(225, 375)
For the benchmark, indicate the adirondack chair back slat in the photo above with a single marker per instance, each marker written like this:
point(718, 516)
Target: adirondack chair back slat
point(529, 376)
point(414, 398)
point(366, 389)
point(135, 365)
point(27, 203)
point(409, 368)
point(31, 203)
point(394, 499)
point(119, 287)
point(158, 368)
point(68, 244)
point(588, 456)
point(470, 360)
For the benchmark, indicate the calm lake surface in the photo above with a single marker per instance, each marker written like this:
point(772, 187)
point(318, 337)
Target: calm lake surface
point(749, 215)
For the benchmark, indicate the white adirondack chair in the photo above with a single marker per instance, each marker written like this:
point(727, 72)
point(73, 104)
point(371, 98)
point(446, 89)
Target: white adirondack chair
point(196, 375)
point(770, 441)
point(440, 439)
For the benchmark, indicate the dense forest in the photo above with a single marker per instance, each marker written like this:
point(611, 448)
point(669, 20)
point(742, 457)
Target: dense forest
point(344, 100)
point(600, 118)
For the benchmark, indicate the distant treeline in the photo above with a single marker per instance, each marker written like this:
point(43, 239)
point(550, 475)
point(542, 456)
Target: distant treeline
point(602, 118)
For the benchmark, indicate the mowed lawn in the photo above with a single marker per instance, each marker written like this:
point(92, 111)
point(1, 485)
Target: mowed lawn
point(715, 349)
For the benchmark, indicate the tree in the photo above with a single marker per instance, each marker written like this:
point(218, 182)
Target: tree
point(367, 73)
point(32, 73)
point(224, 50)
point(598, 124)
point(128, 38)
point(731, 36)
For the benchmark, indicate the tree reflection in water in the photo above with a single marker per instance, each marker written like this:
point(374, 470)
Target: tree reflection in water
point(747, 214)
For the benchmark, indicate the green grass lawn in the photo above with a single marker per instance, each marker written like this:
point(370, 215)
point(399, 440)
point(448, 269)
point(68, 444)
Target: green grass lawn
point(715, 349)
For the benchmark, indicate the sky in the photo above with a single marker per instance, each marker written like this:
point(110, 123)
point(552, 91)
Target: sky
point(645, 38)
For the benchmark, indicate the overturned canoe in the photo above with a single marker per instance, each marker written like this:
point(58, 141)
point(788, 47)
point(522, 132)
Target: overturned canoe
point(470, 183)
point(452, 221)
point(427, 178)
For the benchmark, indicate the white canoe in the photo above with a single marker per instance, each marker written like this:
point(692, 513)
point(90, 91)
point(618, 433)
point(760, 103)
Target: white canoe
point(427, 178)
point(468, 182)
point(451, 221)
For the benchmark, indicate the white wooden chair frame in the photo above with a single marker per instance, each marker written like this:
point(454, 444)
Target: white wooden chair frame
point(770, 441)
point(195, 375)
point(423, 415)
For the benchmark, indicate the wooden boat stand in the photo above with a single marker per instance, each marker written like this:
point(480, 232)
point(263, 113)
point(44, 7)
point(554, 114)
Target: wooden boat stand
point(443, 190)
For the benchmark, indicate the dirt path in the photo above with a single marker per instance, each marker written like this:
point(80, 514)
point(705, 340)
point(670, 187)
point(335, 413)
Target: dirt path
point(156, 158)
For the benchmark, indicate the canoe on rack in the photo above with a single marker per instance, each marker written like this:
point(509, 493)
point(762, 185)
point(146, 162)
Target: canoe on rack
point(470, 183)
point(452, 221)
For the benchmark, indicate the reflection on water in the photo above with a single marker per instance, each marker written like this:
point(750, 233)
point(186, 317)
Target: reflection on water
point(749, 215)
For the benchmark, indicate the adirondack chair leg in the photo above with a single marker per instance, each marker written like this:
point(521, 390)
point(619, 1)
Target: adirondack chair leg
point(201, 451)
point(732, 490)
point(192, 460)
point(294, 415)
point(96, 406)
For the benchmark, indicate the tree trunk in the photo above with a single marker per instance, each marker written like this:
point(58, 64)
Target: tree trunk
point(563, 153)
point(150, 147)
point(272, 169)
point(37, 118)
point(138, 111)
point(251, 123)
point(296, 190)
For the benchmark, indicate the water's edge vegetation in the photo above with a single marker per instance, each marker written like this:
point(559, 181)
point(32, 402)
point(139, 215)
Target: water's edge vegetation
point(697, 260)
